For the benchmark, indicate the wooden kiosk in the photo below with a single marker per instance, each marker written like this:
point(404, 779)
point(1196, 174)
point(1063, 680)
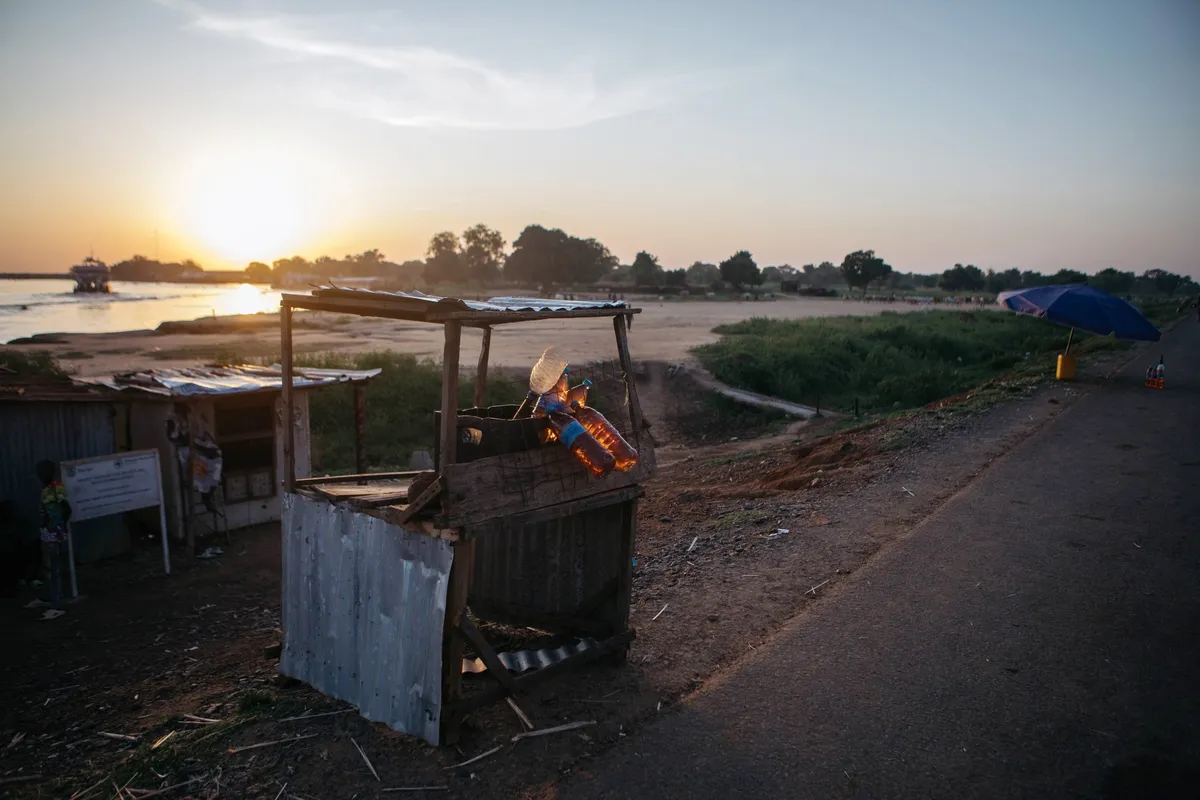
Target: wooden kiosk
point(383, 573)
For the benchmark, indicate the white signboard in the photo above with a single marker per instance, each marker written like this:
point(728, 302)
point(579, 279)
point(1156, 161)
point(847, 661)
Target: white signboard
point(98, 487)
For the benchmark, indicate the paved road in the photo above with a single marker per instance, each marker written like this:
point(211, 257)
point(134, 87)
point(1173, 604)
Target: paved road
point(1039, 636)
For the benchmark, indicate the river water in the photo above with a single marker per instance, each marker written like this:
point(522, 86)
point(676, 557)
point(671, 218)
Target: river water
point(50, 306)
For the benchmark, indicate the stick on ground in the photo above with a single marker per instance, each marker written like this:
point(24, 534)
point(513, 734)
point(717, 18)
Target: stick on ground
point(517, 709)
point(570, 726)
point(370, 766)
point(233, 750)
point(482, 755)
point(416, 789)
point(316, 716)
point(120, 737)
point(659, 614)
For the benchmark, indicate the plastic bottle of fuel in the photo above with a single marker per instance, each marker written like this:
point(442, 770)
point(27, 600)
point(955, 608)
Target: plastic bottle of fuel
point(608, 436)
point(1160, 376)
point(582, 444)
point(1151, 372)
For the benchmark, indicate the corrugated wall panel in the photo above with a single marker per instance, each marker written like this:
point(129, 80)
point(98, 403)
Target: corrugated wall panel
point(363, 605)
point(30, 432)
point(551, 566)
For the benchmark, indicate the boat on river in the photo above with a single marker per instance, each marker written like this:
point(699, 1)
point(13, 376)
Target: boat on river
point(91, 276)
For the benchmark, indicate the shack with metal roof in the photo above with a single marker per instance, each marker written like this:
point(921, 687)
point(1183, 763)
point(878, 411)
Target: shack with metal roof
point(389, 578)
point(237, 412)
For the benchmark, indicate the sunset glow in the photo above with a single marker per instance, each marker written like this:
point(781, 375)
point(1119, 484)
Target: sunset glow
point(246, 208)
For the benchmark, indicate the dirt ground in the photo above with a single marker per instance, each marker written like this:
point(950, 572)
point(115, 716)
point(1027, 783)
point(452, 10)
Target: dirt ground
point(735, 537)
point(664, 331)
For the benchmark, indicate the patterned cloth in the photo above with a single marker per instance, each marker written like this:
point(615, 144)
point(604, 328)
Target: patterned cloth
point(54, 512)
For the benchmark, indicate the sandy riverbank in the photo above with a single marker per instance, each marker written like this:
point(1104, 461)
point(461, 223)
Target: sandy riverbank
point(664, 331)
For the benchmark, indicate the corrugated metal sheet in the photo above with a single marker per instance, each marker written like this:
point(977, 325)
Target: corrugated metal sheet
point(551, 567)
point(191, 381)
point(363, 606)
point(491, 304)
point(30, 432)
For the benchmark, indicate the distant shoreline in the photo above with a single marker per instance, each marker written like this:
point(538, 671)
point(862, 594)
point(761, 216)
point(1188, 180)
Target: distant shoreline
point(56, 276)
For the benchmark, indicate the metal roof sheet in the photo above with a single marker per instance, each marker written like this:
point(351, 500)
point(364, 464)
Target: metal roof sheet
point(192, 381)
point(491, 304)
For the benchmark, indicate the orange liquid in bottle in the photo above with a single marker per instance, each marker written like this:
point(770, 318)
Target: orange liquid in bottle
point(583, 445)
point(603, 431)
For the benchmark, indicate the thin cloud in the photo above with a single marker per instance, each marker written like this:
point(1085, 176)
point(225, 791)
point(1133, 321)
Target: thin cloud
point(430, 88)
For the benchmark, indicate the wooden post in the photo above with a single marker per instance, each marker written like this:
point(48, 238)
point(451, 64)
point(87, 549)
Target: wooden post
point(635, 408)
point(449, 433)
point(625, 573)
point(360, 429)
point(289, 433)
point(189, 481)
point(452, 643)
point(481, 370)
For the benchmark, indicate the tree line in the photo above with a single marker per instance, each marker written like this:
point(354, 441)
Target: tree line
point(548, 257)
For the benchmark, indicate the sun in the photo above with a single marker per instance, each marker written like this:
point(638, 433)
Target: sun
point(246, 208)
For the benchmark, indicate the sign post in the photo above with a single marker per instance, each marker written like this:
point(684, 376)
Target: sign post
point(114, 484)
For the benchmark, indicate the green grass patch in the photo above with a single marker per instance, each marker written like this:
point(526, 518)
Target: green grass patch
point(399, 404)
point(889, 361)
point(37, 364)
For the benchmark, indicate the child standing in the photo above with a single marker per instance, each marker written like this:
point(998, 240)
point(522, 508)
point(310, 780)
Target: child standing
point(55, 512)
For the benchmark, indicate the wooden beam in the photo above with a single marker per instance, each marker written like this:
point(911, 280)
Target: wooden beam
point(624, 586)
point(503, 317)
point(481, 369)
point(360, 428)
point(513, 483)
point(449, 432)
point(289, 433)
point(635, 408)
point(487, 654)
point(415, 504)
point(452, 644)
point(359, 477)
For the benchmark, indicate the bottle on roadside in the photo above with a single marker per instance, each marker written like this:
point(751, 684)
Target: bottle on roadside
point(1160, 376)
point(1151, 373)
point(582, 444)
point(604, 432)
point(577, 396)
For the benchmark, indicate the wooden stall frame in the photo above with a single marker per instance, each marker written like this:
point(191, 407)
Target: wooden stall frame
point(458, 629)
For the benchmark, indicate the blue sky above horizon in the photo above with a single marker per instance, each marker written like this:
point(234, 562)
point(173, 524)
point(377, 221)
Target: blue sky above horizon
point(1041, 135)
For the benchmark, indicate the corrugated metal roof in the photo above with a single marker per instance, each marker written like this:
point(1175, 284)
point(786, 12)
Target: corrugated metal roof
point(363, 606)
point(491, 304)
point(190, 381)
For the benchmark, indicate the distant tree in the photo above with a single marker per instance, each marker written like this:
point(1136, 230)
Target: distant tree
point(771, 275)
point(483, 253)
point(862, 268)
point(445, 262)
point(740, 270)
point(675, 277)
point(409, 272)
point(963, 279)
point(1005, 281)
point(1030, 279)
point(547, 257)
point(258, 272)
point(1164, 282)
point(701, 274)
point(1113, 281)
point(821, 276)
point(1066, 276)
point(645, 270)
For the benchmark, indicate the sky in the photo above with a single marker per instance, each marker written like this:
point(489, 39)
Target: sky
point(1018, 133)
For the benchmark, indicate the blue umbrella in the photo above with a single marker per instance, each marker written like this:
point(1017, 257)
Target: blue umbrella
point(1084, 307)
